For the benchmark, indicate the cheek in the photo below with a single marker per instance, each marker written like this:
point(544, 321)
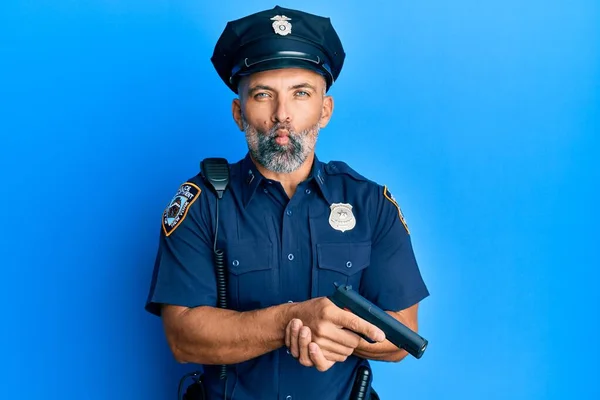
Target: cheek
point(308, 116)
point(258, 115)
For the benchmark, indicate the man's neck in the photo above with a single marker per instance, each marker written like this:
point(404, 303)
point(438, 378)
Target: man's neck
point(289, 181)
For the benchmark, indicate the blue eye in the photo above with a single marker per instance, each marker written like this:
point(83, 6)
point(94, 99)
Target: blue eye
point(303, 93)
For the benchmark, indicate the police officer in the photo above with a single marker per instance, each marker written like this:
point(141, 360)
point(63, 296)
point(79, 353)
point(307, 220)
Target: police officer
point(290, 226)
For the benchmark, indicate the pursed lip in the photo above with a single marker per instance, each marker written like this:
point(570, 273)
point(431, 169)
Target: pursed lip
point(282, 137)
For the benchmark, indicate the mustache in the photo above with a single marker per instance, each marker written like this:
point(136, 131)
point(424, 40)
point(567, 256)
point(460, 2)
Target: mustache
point(272, 132)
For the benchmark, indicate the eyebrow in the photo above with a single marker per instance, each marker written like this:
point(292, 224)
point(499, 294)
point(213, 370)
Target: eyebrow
point(303, 85)
point(256, 88)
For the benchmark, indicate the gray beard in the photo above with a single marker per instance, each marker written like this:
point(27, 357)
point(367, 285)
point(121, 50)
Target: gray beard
point(280, 158)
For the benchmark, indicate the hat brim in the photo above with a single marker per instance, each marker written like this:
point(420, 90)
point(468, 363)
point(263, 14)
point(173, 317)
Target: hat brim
point(282, 63)
point(278, 53)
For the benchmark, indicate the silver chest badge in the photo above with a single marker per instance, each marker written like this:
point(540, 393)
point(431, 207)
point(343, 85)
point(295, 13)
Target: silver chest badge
point(341, 217)
point(281, 26)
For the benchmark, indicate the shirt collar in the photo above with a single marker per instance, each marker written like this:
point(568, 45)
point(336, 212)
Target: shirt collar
point(252, 178)
point(320, 178)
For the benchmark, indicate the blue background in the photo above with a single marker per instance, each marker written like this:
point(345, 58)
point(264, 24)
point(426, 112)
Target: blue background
point(482, 117)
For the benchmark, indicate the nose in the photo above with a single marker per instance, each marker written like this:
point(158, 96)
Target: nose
point(281, 113)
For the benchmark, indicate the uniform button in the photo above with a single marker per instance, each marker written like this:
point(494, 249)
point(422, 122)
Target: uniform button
point(235, 263)
point(348, 264)
point(288, 398)
point(288, 351)
point(290, 301)
point(289, 212)
point(265, 190)
point(290, 256)
point(307, 191)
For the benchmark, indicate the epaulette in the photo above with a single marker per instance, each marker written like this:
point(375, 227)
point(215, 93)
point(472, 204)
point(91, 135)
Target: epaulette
point(341, 168)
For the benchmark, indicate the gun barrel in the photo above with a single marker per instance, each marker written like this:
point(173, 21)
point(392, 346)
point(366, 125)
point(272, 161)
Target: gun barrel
point(396, 332)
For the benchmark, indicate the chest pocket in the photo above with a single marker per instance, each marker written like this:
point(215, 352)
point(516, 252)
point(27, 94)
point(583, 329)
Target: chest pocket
point(341, 263)
point(251, 276)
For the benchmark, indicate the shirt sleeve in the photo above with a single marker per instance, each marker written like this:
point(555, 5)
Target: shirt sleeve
point(183, 270)
point(393, 281)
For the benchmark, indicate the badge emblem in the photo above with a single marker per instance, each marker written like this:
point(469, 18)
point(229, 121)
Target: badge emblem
point(341, 217)
point(178, 208)
point(281, 26)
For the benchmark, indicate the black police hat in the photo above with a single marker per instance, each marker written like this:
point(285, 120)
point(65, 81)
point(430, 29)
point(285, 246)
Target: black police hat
point(278, 38)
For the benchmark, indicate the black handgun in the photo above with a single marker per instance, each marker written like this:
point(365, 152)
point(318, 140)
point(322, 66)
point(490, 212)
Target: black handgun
point(396, 332)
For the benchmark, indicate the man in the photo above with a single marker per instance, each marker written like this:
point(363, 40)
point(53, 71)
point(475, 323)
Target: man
point(290, 226)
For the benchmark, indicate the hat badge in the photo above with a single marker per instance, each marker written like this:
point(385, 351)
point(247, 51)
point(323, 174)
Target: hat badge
point(281, 26)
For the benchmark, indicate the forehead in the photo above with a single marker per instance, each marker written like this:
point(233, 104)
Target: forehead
point(284, 77)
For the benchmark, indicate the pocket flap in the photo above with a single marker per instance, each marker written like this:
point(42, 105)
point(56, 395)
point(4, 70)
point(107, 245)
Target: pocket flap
point(249, 257)
point(346, 258)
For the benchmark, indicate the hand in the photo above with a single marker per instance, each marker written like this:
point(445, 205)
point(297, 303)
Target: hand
point(332, 328)
point(298, 340)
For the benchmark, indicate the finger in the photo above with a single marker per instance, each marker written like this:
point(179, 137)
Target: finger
point(358, 325)
point(336, 338)
point(294, 332)
point(318, 359)
point(334, 351)
point(334, 357)
point(303, 342)
point(288, 331)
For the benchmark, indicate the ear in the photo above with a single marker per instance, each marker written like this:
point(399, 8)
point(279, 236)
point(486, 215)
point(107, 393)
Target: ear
point(236, 111)
point(327, 111)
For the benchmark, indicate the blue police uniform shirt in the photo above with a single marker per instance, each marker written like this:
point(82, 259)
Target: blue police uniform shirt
point(280, 250)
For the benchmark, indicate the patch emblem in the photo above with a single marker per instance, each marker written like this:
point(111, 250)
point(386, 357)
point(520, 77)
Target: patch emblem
point(281, 26)
point(341, 217)
point(178, 208)
point(388, 195)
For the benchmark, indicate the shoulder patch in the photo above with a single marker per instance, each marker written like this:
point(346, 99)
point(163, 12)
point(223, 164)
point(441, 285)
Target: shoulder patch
point(388, 195)
point(178, 208)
